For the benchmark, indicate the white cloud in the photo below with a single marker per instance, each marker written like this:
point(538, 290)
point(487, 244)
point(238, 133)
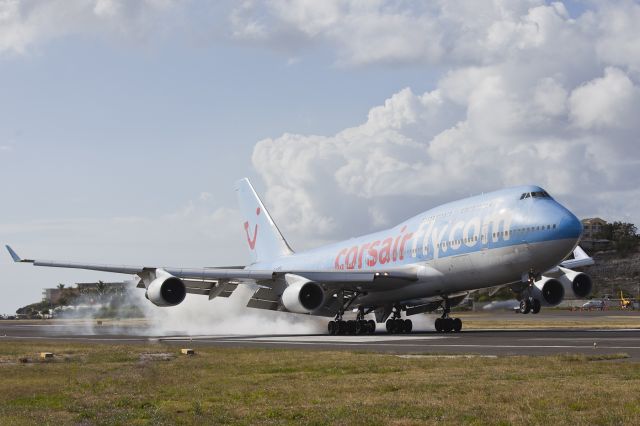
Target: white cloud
point(528, 98)
point(25, 23)
point(610, 101)
point(618, 33)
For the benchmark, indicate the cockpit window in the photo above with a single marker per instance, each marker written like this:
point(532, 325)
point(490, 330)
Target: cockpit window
point(536, 194)
point(540, 194)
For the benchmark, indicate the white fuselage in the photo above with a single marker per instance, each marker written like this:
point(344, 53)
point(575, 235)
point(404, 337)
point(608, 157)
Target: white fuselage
point(478, 242)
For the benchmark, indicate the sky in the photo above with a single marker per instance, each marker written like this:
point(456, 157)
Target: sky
point(124, 124)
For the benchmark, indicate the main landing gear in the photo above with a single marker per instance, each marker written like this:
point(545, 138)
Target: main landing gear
point(357, 326)
point(396, 325)
point(445, 324)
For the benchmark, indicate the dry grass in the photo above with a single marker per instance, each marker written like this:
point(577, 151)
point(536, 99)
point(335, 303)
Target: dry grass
point(572, 320)
point(103, 384)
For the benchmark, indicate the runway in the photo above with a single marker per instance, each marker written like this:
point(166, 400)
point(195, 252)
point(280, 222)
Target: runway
point(473, 342)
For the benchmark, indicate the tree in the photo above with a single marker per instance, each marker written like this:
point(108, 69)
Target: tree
point(623, 234)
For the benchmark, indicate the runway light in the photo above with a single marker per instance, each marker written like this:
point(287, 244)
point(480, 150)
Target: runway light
point(187, 351)
point(595, 345)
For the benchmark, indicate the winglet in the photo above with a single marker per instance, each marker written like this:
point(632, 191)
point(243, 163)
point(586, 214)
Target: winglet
point(15, 256)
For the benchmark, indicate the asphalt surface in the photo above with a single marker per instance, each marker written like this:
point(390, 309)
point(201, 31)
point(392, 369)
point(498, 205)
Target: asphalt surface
point(474, 342)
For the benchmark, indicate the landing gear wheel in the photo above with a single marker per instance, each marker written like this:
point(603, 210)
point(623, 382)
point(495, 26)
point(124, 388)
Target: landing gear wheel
point(438, 325)
point(447, 325)
point(535, 306)
point(351, 327)
point(362, 327)
point(395, 325)
point(457, 325)
point(342, 327)
point(525, 306)
point(407, 326)
point(372, 326)
point(332, 328)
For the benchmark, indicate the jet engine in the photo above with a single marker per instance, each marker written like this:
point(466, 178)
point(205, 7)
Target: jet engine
point(549, 291)
point(166, 290)
point(577, 285)
point(301, 295)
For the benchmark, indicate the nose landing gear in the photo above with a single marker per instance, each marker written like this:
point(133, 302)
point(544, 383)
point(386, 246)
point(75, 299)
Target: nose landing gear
point(528, 303)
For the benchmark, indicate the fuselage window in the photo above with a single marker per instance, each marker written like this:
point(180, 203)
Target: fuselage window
point(554, 226)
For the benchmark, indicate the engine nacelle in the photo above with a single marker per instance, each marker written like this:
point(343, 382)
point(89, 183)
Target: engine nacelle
point(301, 295)
point(166, 290)
point(577, 285)
point(549, 291)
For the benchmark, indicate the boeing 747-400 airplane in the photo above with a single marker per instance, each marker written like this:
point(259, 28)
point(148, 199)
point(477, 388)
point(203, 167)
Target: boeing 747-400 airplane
point(518, 237)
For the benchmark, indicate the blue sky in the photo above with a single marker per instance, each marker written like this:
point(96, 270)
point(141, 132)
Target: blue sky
point(123, 125)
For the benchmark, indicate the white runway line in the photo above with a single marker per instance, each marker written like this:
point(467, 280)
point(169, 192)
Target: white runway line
point(346, 339)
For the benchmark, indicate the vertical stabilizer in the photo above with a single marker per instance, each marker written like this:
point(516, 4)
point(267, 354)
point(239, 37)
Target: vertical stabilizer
point(263, 236)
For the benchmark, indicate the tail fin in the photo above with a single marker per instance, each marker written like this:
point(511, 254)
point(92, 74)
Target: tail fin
point(263, 236)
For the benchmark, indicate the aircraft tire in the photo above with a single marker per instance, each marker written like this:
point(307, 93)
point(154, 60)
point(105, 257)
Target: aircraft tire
point(438, 325)
point(341, 327)
point(457, 325)
point(407, 326)
point(361, 327)
point(525, 306)
point(535, 306)
point(447, 325)
point(388, 325)
point(332, 328)
point(351, 327)
point(372, 326)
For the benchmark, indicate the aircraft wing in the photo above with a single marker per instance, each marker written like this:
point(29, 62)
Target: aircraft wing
point(207, 280)
point(580, 258)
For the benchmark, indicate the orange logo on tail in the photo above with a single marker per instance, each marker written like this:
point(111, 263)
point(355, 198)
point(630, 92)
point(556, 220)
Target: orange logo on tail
point(252, 242)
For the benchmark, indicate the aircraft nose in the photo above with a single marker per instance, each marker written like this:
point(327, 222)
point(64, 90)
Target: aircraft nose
point(570, 225)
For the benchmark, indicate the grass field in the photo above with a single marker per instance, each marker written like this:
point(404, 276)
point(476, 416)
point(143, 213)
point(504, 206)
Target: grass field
point(573, 320)
point(101, 384)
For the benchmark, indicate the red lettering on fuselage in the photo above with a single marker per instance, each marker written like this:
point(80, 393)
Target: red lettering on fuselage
point(351, 257)
point(373, 254)
point(384, 255)
point(406, 238)
point(338, 264)
point(362, 249)
point(370, 254)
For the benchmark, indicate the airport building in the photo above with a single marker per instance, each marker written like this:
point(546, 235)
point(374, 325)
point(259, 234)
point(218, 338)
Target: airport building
point(592, 227)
